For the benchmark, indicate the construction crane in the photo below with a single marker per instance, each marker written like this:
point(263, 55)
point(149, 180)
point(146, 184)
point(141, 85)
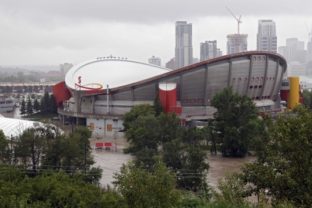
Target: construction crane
point(238, 19)
point(309, 30)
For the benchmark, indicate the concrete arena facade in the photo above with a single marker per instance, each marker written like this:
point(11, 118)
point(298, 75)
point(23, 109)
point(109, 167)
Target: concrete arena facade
point(255, 74)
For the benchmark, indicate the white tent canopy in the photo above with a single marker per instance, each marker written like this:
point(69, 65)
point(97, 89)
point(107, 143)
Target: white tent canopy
point(14, 127)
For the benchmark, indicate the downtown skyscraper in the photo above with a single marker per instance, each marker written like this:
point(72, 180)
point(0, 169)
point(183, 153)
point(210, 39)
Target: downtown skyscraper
point(236, 43)
point(209, 50)
point(183, 47)
point(266, 37)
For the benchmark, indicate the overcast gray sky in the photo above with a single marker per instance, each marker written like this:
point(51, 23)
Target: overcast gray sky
point(44, 32)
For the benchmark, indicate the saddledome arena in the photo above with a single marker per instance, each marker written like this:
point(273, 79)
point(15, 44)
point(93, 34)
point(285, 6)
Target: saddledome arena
point(97, 93)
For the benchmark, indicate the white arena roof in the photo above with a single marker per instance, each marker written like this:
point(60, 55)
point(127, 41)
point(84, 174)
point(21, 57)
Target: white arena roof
point(114, 72)
point(14, 127)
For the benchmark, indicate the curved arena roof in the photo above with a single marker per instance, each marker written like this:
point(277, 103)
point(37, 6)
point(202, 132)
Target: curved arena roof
point(192, 67)
point(115, 72)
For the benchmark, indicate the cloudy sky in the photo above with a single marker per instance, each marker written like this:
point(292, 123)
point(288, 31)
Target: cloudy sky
point(48, 32)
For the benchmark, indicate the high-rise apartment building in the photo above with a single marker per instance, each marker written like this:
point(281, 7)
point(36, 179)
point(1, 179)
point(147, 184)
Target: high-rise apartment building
point(295, 44)
point(296, 55)
point(170, 64)
point(154, 60)
point(309, 56)
point(294, 50)
point(266, 37)
point(236, 43)
point(219, 52)
point(208, 50)
point(184, 47)
point(309, 48)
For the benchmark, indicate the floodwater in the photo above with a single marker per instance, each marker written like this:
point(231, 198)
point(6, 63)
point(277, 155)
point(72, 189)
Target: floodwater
point(111, 162)
point(221, 166)
point(14, 114)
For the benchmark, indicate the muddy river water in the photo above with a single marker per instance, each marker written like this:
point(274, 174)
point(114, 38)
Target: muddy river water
point(111, 161)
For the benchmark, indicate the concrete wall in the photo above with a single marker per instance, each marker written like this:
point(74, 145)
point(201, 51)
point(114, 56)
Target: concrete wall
point(105, 128)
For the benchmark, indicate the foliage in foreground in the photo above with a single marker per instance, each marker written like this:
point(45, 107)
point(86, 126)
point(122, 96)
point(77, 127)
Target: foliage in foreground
point(136, 187)
point(307, 99)
point(283, 169)
point(142, 188)
point(52, 190)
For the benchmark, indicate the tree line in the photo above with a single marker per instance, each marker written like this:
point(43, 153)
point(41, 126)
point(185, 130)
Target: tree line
point(45, 106)
point(44, 148)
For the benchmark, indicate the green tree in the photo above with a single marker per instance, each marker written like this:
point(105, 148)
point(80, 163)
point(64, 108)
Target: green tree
point(141, 188)
point(55, 153)
point(52, 190)
point(4, 148)
point(171, 140)
point(169, 125)
point(144, 138)
point(52, 108)
point(283, 168)
point(36, 105)
point(157, 106)
point(236, 122)
point(30, 148)
point(76, 156)
point(232, 190)
point(193, 156)
point(211, 136)
point(23, 107)
point(44, 103)
point(307, 98)
point(44, 148)
point(29, 106)
point(151, 137)
point(71, 154)
point(136, 111)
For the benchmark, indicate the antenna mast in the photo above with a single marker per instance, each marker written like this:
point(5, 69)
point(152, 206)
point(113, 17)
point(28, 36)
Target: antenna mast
point(238, 19)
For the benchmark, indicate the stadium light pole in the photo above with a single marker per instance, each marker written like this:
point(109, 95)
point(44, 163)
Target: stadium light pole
point(107, 99)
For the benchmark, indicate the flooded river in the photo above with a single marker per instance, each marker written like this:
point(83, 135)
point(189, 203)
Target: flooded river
point(111, 162)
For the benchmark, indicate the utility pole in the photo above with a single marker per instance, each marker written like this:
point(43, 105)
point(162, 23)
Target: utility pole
point(115, 128)
point(85, 158)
